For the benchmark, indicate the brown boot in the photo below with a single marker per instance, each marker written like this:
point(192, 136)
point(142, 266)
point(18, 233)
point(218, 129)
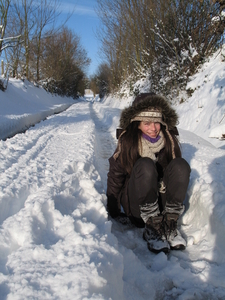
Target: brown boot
point(173, 235)
point(154, 235)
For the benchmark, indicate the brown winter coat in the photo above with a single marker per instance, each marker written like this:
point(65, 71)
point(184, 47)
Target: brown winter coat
point(118, 178)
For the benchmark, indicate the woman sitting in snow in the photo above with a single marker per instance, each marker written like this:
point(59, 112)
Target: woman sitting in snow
point(147, 175)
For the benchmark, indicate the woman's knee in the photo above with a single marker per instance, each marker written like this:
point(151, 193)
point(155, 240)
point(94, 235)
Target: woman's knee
point(180, 167)
point(146, 167)
point(180, 170)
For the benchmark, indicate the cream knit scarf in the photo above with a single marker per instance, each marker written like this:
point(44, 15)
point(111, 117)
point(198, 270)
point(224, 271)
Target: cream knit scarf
point(148, 149)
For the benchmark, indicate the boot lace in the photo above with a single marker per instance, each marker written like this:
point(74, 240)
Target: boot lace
point(170, 226)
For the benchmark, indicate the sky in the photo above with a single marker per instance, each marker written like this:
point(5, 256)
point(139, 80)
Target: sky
point(84, 22)
point(56, 240)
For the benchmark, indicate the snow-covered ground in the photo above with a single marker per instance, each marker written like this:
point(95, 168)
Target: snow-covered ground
point(56, 241)
point(204, 112)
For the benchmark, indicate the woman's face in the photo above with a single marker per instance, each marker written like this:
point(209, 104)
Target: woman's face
point(150, 128)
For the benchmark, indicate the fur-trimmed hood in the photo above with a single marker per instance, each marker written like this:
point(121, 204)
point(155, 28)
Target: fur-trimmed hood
point(146, 103)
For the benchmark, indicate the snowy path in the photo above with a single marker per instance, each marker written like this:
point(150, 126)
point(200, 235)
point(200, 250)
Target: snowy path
point(54, 225)
point(55, 238)
point(195, 267)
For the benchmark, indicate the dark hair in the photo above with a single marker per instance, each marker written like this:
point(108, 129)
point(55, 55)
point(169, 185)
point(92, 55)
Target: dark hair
point(129, 146)
point(168, 146)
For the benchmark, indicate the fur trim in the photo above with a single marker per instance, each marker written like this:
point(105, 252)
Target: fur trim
point(160, 103)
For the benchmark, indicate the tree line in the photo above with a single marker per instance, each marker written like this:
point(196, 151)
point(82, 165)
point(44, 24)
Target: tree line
point(163, 40)
point(38, 49)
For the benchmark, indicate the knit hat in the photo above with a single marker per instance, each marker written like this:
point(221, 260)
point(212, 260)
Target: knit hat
point(151, 115)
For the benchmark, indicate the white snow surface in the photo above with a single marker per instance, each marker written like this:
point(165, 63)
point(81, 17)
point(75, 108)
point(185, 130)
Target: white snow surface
point(56, 240)
point(204, 112)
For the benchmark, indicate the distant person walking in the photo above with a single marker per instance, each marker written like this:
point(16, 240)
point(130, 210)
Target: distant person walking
point(147, 177)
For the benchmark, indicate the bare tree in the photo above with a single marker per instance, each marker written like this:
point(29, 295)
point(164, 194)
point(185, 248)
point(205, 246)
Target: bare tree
point(4, 7)
point(64, 63)
point(46, 15)
point(100, 82)
point(9, 41)
point(32, 21)
point(25, 12)
point(221, 4)
point(164, 38)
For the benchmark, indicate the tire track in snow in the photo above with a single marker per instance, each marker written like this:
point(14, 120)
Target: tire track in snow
point(22, 173)
point(104, 146)
point(28, 167)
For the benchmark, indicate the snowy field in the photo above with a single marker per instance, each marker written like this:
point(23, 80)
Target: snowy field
point(56, 241)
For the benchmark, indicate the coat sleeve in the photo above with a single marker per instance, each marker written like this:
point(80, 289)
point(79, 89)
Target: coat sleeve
point(115, 184)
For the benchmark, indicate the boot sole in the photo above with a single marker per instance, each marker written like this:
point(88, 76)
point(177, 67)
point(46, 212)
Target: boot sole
point(165, 250)
point(178, 247)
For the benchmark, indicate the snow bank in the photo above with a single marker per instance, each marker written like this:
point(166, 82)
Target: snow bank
point(23, 105)
point(204, 110)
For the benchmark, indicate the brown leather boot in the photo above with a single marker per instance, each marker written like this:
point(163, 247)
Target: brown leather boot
point(173, 235)
point(155, 236)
